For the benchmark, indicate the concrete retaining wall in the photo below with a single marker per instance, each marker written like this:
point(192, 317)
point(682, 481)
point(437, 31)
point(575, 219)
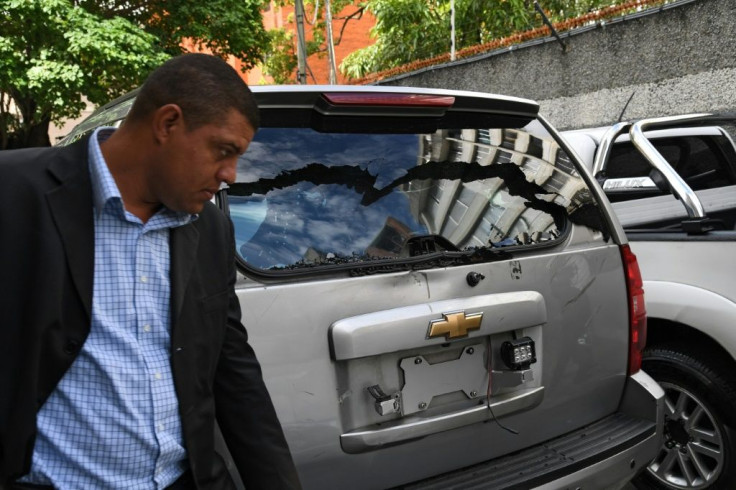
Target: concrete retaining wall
point(677, 59)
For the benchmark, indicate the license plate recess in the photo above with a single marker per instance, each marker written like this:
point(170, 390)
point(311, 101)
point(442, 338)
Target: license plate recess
point(424, 381)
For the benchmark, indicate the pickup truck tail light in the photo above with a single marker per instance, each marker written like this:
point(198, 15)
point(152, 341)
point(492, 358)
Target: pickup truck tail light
point(637, 310)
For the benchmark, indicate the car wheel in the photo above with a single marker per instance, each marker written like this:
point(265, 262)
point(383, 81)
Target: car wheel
point(698, 449)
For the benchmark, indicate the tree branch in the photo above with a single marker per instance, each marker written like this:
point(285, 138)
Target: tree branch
point(357, 15)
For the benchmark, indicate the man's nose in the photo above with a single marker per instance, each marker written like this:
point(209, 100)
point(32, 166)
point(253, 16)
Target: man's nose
point(228, 172)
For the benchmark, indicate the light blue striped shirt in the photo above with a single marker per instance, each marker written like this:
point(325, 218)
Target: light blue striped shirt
point(113, 420)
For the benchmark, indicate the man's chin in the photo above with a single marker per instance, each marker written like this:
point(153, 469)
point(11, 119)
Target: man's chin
point(197, 208)
point(189, 208)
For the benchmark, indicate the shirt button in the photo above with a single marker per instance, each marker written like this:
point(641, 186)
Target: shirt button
point(144, 278)
point(146, 328)
point(157, 376)
point(161, 427)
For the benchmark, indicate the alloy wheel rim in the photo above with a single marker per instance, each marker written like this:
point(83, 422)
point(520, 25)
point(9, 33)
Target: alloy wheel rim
point(693, 452)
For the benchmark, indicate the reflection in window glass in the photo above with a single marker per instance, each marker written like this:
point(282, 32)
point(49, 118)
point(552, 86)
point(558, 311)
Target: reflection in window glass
point(112, 116)
point(306, 199)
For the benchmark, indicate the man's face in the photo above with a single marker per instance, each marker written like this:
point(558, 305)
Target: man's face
point(195, 163)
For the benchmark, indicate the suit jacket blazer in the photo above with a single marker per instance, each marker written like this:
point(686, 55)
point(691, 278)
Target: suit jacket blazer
point(46, 275)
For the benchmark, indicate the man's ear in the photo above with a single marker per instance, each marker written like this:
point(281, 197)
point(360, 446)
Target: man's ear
point(166, 119)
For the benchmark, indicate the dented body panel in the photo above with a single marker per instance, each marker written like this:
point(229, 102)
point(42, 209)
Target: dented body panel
point(687, 274)
point(308, 386)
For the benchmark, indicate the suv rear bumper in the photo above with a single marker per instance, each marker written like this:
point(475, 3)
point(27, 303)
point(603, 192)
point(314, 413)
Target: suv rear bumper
point(605, 454)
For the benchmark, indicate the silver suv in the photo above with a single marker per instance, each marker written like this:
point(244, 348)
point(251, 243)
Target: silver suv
point(439, 293)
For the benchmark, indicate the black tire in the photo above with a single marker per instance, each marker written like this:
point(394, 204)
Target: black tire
point(699, 448)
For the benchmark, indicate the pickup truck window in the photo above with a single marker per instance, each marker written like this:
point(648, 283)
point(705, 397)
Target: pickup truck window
point(702, 161)
point(306, 199)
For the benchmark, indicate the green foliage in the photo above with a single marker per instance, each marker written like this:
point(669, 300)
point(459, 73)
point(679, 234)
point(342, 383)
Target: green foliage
point(363, 61)
point(225, 27)
point(280, 61)
point(55, 52)
point(408, 30)
point(52, 53)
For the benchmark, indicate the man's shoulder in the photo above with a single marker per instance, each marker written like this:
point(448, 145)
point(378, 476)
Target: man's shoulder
point(29, 160)
point(24, 170)
point(31, 165)
point(20, 158)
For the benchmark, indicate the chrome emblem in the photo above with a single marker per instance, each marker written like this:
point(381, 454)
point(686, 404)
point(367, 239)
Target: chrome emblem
point(454, 325)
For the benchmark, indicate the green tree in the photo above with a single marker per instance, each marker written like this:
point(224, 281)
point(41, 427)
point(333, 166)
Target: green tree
point(280, 59)
point(225, 27)
point(55, 52)
point(408, 30)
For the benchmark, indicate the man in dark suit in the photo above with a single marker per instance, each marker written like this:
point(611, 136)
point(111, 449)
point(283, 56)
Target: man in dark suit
point(120, 334)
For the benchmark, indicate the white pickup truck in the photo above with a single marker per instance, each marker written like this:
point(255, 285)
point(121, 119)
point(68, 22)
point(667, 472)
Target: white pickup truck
point(672, 183)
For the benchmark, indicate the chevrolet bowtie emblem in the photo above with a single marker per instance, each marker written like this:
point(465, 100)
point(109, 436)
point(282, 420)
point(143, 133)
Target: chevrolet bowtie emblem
point(454, 325)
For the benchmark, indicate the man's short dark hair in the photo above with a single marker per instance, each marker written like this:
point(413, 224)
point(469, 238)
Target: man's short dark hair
point(203, 86)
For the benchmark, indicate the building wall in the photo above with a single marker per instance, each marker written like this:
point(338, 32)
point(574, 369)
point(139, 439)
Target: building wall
point(671, 60)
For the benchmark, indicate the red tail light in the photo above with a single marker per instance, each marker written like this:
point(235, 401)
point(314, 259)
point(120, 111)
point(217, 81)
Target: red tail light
point(637, 310)
point(389, 99)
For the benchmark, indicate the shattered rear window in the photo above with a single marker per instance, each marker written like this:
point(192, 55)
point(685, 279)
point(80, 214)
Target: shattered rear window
point(305, 199)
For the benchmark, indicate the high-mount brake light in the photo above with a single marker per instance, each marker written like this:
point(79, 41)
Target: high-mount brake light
point(637, 310)
point(408, 100)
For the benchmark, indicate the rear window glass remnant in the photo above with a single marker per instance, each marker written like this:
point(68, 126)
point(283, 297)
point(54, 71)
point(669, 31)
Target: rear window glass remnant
point(306, 199)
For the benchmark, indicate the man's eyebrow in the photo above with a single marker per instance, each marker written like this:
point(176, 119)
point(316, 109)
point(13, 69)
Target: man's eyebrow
point(233, 146)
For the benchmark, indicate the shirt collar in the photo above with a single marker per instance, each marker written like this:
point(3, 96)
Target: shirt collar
point(105, 190)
